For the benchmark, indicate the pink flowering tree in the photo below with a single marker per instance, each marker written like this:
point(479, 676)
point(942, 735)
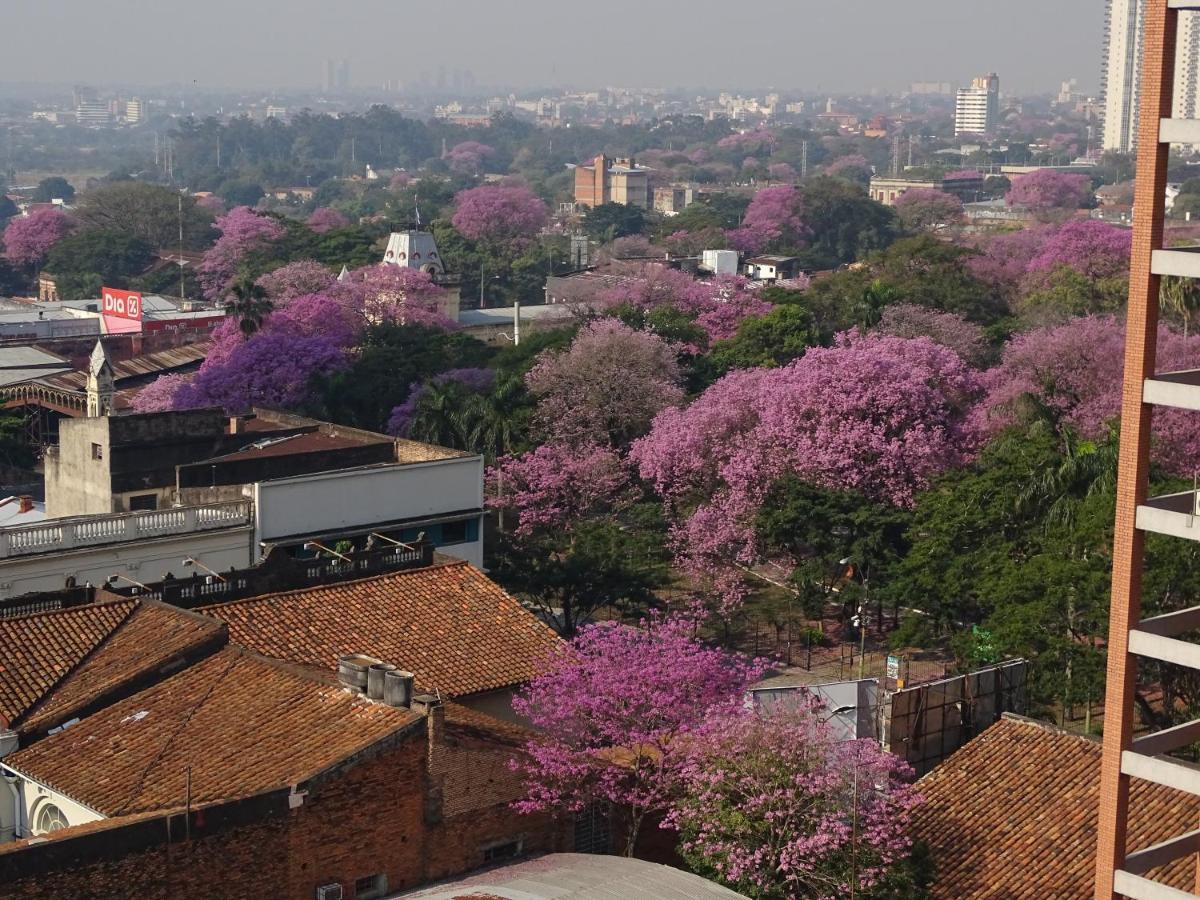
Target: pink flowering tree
point(907, 320)
point(325, 218)
point(508, 216)
point(1074, 371)
point(875, 414)
point(774, 220)
point(718, 305)
point(160, 394)
point(924, 208)
point(396, 294)
point(774, 807)
point(1047, 192)
point(1003, 259)
point(556, 487)
point(27, 239)
point(607, 387)
point(853, 167)
point(242, 230)
point(294, 280)
point(781, 172)
point(1092, 248)
point(467, 158)
point(613, 710)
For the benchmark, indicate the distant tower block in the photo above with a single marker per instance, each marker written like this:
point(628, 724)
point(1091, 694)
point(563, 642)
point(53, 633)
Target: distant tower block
point(415, 250)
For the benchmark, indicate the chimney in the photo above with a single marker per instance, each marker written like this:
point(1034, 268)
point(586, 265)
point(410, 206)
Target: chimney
point(434, 711)
point(398, 688)
point(235, 424)
point(375, 679)
point(26, 503)
point(352, 671)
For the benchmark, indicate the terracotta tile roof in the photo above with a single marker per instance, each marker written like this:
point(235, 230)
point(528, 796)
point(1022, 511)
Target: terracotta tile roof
point(1012, 815)
point(455, 629)
point(153, 640)
point(38, 651)
point(53, 664)
point(242, 725)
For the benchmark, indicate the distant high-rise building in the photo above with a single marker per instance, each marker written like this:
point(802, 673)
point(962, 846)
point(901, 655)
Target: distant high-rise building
point(343, 75)
point(135, 111)
point(1120, 73)
point(329, 81)
point(977, 108)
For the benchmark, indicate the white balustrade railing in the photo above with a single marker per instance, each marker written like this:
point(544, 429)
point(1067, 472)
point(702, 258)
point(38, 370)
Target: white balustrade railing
point(87, 531)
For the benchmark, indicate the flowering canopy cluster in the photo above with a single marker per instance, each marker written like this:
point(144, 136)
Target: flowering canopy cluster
point(1047, 189)
point(612, 708)
point(242, 229)
point(502, 215)
point(928, 208)
point(774, 806)
point(27, 239)
point(467, 157)
point(878, 414)
point(606, 387)
point(775, 217)
point(325, 219)
point(1075, 370)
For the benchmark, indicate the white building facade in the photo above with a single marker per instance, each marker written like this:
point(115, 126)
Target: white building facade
point(977, 108)
point(1120, 74)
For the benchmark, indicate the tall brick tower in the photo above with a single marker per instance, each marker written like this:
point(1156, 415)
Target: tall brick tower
point(1122, 870)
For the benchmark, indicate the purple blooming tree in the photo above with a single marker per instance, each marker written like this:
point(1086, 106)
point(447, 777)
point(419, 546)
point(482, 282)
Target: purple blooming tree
point(613, 709)
point(1048, 191)
point(748, 141)
point(1003, 259)
point(556, 486)
point(500, 215)
point(1093, 249)
point(607, 387)
point(160, 394)
point(242, 230)
point(924, 208)
point(295, 280)
point(774, 807)
point(27, 239)
point(774, 220)
point(878, 414)
point(853, 167)
point(325, 219)
point(781, 172)
point(396, 294)
point(907, 320)
point(1075, 371)
point(467, 157)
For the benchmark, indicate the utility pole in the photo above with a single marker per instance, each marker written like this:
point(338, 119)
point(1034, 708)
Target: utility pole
point(181, 287)
point(804, 159)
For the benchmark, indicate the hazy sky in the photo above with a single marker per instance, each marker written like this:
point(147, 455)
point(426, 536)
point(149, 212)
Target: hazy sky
point(830, 45)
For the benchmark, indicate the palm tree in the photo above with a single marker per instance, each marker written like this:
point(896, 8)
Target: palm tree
point(249, 304)
point(1088, 468)
point(438, 417)
point(1180, 297)
point(494, 425)
point(875, 297)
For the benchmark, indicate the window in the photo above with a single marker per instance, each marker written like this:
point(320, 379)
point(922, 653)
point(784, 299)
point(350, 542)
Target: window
point(497, 852)
point(97, 451)
point(143, 501)
point(371, 887)
point(454, 533)
point(49, 818)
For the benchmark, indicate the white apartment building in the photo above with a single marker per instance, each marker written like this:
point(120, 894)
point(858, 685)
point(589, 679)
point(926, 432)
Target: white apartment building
point(977, 108)
point(1121, 72)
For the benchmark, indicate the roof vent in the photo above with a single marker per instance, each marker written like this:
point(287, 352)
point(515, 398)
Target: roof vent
point(375, 676)
point(398, 687)
point(352, 670)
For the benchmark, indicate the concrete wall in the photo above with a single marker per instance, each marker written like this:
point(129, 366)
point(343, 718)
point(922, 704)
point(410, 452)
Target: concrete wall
point(145, 561)
point(77, 484)
point(31, 797)
point(367, 497)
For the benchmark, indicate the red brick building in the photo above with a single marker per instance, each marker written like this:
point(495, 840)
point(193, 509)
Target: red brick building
point(607, 180)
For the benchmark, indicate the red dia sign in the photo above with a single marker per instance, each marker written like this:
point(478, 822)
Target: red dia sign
point(123, 304)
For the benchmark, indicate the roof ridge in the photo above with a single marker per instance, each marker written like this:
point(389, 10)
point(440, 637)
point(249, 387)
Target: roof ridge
point(449, 563)
point(1048, 727)
point(109, 601)
point(95, 648)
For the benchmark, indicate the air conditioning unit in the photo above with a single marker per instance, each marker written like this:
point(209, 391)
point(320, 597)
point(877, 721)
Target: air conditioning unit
point(329, 892)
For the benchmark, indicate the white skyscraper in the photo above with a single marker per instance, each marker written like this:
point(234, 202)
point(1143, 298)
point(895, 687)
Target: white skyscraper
point(977, 108)
point(1121, 72)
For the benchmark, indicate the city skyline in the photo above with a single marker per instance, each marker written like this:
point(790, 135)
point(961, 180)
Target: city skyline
point(773, 43)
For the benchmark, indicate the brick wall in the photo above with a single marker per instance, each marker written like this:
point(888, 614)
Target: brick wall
point(372, 817)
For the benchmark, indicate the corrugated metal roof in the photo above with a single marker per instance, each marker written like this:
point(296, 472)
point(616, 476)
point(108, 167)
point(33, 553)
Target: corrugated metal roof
point(579, 876)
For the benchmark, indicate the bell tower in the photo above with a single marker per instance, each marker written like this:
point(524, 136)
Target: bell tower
point(100, 384)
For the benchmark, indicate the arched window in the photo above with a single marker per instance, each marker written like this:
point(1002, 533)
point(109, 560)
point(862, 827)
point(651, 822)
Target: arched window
point(401, 255)
point(416, 255)
point(49, 818)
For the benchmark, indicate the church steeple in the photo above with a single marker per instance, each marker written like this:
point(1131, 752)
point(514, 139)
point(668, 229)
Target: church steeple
point(100, 384)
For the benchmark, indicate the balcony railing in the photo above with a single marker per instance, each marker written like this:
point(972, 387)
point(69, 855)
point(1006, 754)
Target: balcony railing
point(56, 535)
